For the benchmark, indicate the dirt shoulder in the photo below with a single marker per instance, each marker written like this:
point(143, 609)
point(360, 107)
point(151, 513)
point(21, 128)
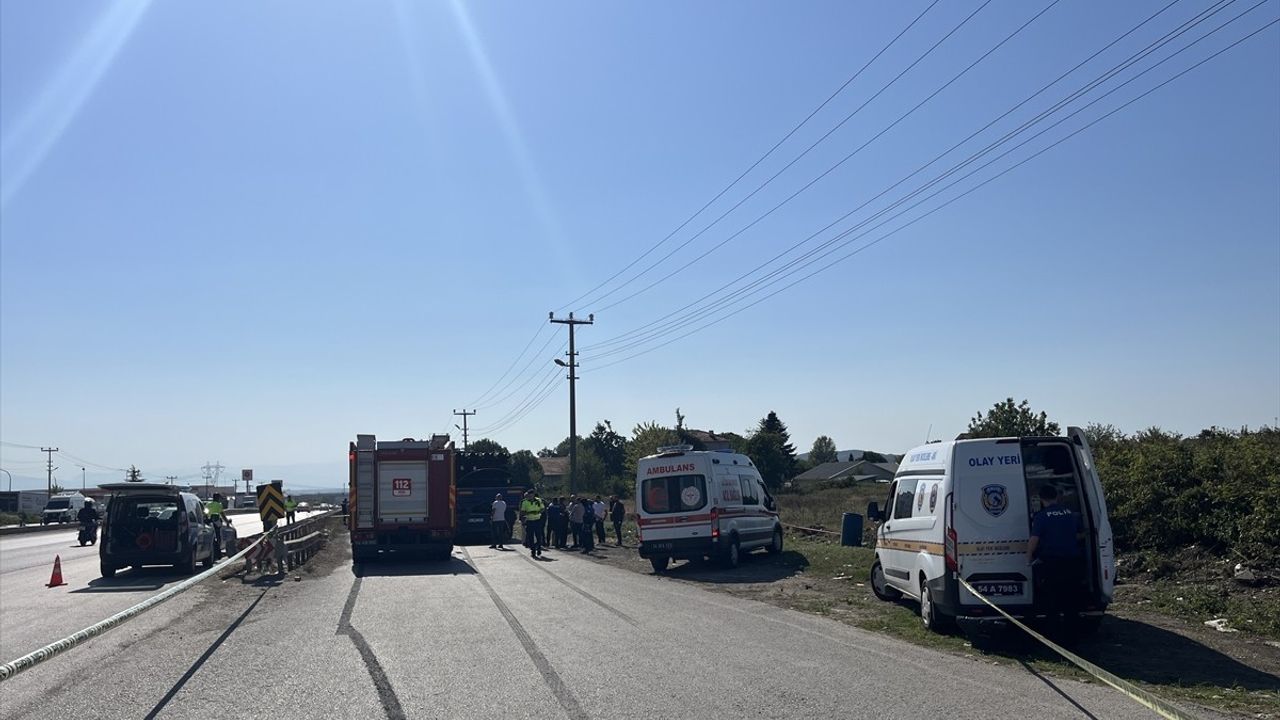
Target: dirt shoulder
point(1185, 661)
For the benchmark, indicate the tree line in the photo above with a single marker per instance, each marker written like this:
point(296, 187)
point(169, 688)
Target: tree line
point(1218, 490)
point(607, 459)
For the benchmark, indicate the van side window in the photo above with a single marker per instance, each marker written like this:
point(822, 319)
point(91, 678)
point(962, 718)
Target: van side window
point(905, 498)
point(750, 493)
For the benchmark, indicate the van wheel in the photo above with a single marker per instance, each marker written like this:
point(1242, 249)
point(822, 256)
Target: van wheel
point(775, 547)
point(108, 571)
point(879, 586)
point(734, 554)
point(659, 563)
point(207, 562)
point(929, 615)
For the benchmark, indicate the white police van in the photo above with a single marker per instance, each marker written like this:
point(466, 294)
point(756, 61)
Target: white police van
point(702, 504)
point(963, 509)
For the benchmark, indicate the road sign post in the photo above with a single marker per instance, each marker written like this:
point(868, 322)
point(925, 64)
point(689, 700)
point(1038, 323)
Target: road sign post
point(246, 477)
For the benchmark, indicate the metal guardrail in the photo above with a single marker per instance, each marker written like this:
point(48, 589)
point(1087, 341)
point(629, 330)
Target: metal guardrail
point(30, 660)
point(300, 549)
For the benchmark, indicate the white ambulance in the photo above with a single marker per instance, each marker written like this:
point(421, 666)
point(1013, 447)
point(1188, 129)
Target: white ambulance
point(700, 504)
point(963, 509)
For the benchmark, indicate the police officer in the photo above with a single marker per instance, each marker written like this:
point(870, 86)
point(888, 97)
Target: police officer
point(1054, 550)
point(290, 510)
point(531, 508)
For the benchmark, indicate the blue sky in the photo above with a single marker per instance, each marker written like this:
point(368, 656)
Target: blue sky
point(246, 232)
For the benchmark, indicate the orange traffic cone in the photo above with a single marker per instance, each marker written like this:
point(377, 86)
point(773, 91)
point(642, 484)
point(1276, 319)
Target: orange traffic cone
point(56, 578)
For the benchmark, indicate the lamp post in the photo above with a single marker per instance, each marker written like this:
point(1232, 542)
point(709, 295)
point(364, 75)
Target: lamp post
point(6, 472)
point(82, 479)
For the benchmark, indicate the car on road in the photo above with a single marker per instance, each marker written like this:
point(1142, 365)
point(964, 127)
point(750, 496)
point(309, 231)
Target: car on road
point(247, 502)
point(152, 524)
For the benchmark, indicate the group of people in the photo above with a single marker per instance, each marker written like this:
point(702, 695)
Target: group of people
point(554, 524)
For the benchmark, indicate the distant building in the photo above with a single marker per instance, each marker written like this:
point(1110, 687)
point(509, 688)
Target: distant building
point(555, 470)
point(857, 471)
point(30, 502)
point(710, 440)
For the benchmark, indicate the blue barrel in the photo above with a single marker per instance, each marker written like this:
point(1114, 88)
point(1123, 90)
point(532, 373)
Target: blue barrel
point(851, 530)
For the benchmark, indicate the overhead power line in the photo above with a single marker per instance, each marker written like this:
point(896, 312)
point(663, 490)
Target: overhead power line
point(973, 189)
point(541, 328)
point(722, 216)
point(571, 304)
point(640, 335)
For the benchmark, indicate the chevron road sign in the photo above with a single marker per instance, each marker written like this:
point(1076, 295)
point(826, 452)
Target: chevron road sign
point(271, 502)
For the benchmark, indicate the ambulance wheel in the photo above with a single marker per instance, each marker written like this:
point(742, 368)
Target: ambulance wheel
point(659, 563)
point(734, 554)
point(881, 588)
point(929, 615)
point(775, 547)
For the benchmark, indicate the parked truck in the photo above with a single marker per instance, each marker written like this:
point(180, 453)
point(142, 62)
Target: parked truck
point(481, 478)
point(403, 497)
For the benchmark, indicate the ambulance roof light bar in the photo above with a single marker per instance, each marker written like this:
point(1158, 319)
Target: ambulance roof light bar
point(664, 449)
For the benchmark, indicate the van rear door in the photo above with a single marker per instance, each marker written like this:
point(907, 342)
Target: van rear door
point(991, 521)
point(1098, 509)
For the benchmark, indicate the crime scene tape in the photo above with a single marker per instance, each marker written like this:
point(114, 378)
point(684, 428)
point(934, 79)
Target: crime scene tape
point(1135, 693)
point(30, 660)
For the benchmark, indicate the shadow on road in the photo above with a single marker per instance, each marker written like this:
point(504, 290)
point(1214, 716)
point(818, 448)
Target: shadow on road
point(752, 568)
point(1140, 652)
point(393, 568)
point(195, 667)
point(134, 580)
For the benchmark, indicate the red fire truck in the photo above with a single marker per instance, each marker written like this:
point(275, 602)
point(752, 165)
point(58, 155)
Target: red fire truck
point(402, 496)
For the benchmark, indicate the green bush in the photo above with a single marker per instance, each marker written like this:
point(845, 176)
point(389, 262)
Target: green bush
point(1219, 490)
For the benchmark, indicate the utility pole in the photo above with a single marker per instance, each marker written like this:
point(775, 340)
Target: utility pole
point(573, 375)
point(83, 478)
point(171, 478)
point(212, 471)
point(464, 415)
point(49, 487)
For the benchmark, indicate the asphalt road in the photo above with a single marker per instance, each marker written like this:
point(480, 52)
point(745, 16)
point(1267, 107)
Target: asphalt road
point(32, 615)
point(494, 634)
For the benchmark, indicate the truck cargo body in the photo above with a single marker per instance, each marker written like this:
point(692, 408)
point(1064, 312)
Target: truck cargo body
point(402, 498)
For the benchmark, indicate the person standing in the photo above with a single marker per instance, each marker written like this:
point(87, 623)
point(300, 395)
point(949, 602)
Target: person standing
point(498, 522)
point(346, 507)
point(617, 513)
point(576, 510)
point(554, 511)
point(1054, 551)
point(588, 525)
point(216, 512)
point(531, 509)
point(290, 510)
point(599, 510)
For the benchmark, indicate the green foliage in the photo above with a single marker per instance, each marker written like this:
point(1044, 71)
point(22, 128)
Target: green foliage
point(771, 450)
point(546, 452)
point(823, 451)
point(646, 438)
point(737, 443)
point(525, 468)
point(1219, 490)
point(873, 456)
point(610, 447)
point(1008, 420)
point(485, 445)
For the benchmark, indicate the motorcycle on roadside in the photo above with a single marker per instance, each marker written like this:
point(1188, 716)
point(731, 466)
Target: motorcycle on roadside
point(88, 532)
